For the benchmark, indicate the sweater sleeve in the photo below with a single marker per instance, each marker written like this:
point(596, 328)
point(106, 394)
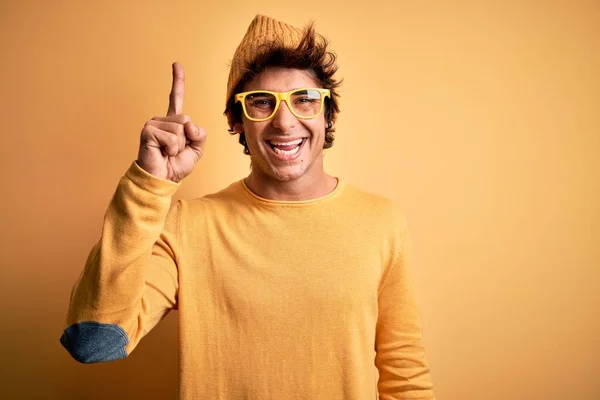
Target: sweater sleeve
point(400, 356)
point(129, 282)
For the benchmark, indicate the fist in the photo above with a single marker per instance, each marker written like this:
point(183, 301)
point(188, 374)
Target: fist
point(171, 146)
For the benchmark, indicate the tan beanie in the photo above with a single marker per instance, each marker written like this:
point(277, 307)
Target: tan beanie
point(262, 31)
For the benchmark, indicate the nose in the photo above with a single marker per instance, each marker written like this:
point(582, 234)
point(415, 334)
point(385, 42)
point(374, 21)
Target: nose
point(283, 119)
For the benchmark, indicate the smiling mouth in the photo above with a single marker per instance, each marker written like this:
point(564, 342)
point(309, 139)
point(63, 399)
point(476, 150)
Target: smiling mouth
point(286, 148)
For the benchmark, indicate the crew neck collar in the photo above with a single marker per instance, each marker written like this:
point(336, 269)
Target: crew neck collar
point(294, 203)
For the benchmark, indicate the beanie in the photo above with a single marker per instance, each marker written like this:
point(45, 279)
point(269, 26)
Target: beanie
point(262, 31)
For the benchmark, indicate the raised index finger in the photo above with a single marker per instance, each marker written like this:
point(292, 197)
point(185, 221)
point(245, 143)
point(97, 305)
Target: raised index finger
point(177, 91)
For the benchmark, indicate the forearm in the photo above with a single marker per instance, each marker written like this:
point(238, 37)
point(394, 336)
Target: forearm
point(403, 370)
point(112, 294)
point(400, 355)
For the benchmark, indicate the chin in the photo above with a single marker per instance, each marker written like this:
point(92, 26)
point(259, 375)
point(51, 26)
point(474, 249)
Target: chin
point(286, 175)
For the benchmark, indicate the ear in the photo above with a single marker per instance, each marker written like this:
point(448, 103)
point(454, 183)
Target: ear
point(238, 127)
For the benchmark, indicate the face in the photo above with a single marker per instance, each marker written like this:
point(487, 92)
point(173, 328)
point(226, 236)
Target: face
point(294, 161)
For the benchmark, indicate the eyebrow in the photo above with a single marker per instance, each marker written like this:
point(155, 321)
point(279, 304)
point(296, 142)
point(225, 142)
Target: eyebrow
point(283, 91)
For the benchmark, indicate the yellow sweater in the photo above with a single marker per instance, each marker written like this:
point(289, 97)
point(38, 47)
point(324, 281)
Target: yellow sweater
point(276, 300)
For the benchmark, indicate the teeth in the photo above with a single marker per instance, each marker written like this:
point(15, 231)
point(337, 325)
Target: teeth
point(286, 152)
point(293, 143)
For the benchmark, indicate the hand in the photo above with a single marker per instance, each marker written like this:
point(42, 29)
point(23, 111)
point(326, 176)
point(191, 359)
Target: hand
point(171, 146)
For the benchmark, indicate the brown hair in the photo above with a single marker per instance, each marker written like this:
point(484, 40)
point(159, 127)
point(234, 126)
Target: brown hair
point(311, 54)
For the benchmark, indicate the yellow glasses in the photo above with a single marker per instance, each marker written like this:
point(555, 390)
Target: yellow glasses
point(262, 105)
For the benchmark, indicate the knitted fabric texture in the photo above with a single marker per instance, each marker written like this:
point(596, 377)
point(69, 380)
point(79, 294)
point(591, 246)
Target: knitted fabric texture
point(262, 32)
point(286, 300)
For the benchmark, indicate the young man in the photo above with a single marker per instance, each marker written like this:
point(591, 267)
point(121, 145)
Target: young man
point(290, 284)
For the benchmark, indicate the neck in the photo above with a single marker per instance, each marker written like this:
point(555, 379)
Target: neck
point(306, 187)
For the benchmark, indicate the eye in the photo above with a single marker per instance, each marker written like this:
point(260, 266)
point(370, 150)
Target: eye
point(305, 100)
point(261, 102)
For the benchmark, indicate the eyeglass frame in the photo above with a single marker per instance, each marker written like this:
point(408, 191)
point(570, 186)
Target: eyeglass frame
point(279, 97)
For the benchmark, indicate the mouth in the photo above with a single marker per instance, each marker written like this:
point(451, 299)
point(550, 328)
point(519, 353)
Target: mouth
point(286, 150)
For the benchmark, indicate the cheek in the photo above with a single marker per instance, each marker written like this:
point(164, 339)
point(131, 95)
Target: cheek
point(318, 134)
point(316, 127)
point(253, 137)
point(252, 132)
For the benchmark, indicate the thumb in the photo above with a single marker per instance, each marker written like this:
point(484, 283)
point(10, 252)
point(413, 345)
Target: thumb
point(196, 136)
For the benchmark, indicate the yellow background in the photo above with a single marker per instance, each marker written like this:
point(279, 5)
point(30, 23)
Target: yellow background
point(481, 117)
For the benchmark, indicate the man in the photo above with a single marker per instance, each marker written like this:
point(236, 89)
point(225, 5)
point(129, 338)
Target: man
point(290, 284)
